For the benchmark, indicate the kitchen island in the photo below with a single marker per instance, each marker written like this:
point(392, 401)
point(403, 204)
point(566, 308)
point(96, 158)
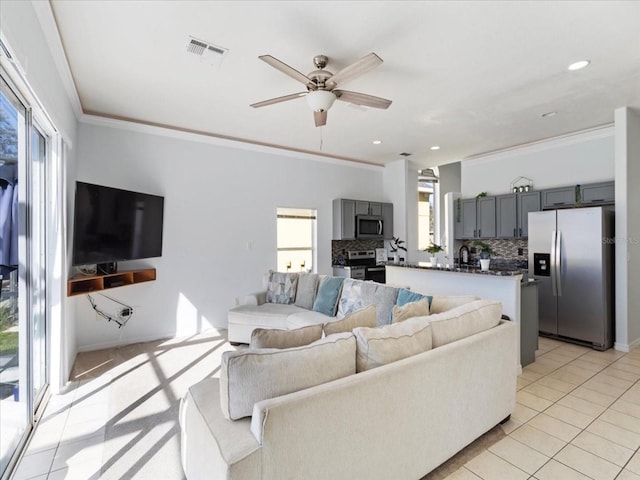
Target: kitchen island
point(503, 285)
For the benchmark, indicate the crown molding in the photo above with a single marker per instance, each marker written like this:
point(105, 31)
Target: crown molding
point(220, 140)
point(602, 131)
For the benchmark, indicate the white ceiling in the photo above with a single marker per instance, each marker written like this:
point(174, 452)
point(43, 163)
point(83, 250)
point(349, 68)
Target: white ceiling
point(472, 76)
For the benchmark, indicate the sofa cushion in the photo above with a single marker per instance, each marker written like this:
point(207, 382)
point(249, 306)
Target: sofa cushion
point(248, 376)
point(304, 318)
point(389, 343)
point(327, 296)
point(282, 287)
point(442, 303)
point(276, 338)
point(464, 321)
point(306, 290)
point(410, 310)
point(365, 317)
point(407, 296)
point(268, 315)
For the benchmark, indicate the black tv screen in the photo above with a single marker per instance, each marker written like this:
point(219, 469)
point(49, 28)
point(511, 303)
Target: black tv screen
point(113, 225)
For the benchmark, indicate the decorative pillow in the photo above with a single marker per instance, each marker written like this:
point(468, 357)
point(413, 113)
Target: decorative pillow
point(276, 338)
point(351, 297)
point(382, 345)
point(407, 296)
point(306, 291)
point(464, 321)
point(410, 310)
point(249, 376)
point(365, 317)
point(282, 287)
point(442, 303)
point(327, 297)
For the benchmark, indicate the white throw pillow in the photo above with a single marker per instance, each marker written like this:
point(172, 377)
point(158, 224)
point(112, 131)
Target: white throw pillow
point(248, 376)
point(464, 321)
point(442, 303)
point(389, 343)
point(276, 338)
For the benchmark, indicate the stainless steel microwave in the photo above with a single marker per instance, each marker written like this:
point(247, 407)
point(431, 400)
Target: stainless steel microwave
point(369, 226)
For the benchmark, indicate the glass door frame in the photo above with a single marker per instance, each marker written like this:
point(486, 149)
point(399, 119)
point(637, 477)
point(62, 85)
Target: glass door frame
point(26, 277)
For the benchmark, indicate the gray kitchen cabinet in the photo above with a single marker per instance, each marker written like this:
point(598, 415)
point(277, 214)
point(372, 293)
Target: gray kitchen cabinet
point(527, 202)
point(387, 219)
point(506, 216)
point(559, 197)
point(598, 193)
point(368, 208)
point(468, 216)
point(362, 208)
point(344, 219)
point(486, 217)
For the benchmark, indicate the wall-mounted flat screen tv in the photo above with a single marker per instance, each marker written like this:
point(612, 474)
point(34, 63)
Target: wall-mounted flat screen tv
point(113, 225)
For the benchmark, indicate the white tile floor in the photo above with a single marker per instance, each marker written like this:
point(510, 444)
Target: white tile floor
point(577, 417)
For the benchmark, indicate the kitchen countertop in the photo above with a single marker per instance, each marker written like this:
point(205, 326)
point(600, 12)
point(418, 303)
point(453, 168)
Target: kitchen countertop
point(499, 272)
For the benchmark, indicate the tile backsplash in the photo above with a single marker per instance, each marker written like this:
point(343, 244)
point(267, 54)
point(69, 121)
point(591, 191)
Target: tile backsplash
point(506, 249)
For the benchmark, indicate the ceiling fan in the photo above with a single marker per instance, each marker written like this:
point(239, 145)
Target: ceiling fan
point(321, 85)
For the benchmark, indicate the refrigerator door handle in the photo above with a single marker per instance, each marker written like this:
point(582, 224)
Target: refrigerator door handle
point(553, 265)
point(559, 263)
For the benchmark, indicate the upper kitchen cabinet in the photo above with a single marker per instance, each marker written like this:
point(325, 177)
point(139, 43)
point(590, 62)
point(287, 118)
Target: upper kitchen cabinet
point(507, 216)
point(512, 213)
point(387, 220)
point(344, 219)
point(527, 202)
point(559, 197)
point(486, 217)
point(467, 215)
point(368, 208)
point(598, 193)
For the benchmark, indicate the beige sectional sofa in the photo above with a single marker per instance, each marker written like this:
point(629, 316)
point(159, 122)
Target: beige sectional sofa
point(255, 311)
point(398, 420)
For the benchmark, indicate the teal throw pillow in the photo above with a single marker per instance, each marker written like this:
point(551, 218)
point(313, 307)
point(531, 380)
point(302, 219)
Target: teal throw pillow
point(407, 296)
point(327, 296)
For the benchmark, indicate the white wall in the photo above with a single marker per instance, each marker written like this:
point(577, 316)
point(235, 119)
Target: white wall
point(586, 157)
point(449, 181)
point(21, 28)
point(627, 124)
point(395, 180)
point(217, 200)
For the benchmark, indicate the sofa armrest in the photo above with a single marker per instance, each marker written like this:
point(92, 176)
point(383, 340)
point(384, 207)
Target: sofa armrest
point(256, 298)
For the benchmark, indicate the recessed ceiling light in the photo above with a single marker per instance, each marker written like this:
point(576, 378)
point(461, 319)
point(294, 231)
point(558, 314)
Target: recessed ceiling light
point(435, 147)
point(549, 114)
point(377, 142)
point(579, 65)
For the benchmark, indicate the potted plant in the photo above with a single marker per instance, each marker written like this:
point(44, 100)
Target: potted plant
point(396, 244)
point(485, 253)
point(434, 249)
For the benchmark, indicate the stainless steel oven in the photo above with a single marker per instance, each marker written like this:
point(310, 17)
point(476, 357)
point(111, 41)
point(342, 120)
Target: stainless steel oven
point(369, 226)
point(376, 273)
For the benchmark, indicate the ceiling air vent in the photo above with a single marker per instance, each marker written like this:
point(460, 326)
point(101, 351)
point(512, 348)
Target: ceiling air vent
point(405, 154)
point(212, 54)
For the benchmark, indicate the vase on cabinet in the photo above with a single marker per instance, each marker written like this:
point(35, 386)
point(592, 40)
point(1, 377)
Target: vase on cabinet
point(434, 261)
point(484, 264)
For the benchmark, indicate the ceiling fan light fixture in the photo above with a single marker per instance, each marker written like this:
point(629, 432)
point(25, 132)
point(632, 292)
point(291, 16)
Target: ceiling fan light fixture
point(579, 65)
point(320, 100)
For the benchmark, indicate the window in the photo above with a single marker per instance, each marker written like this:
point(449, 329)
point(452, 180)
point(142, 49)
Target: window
point(427, 208)
point(296, 240)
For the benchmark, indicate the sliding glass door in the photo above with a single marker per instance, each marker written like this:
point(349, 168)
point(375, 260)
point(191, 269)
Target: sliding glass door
point(24, 335)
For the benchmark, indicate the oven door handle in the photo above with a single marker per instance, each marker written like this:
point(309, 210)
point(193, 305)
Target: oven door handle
point(376, 269)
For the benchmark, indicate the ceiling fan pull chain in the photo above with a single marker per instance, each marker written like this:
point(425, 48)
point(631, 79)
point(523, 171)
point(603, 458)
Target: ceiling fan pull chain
point(321, 140)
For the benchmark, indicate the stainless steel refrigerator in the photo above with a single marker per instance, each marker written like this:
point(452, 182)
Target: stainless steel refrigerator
point(571, 255)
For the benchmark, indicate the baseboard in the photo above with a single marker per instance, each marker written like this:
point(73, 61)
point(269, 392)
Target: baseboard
point(627, 347)
point(127, 341)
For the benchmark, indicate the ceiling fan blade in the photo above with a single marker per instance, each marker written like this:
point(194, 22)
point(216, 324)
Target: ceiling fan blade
point(320, 118)
point(287, 70)
point(362, 99)
point(271, 101)
point(354, 70)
